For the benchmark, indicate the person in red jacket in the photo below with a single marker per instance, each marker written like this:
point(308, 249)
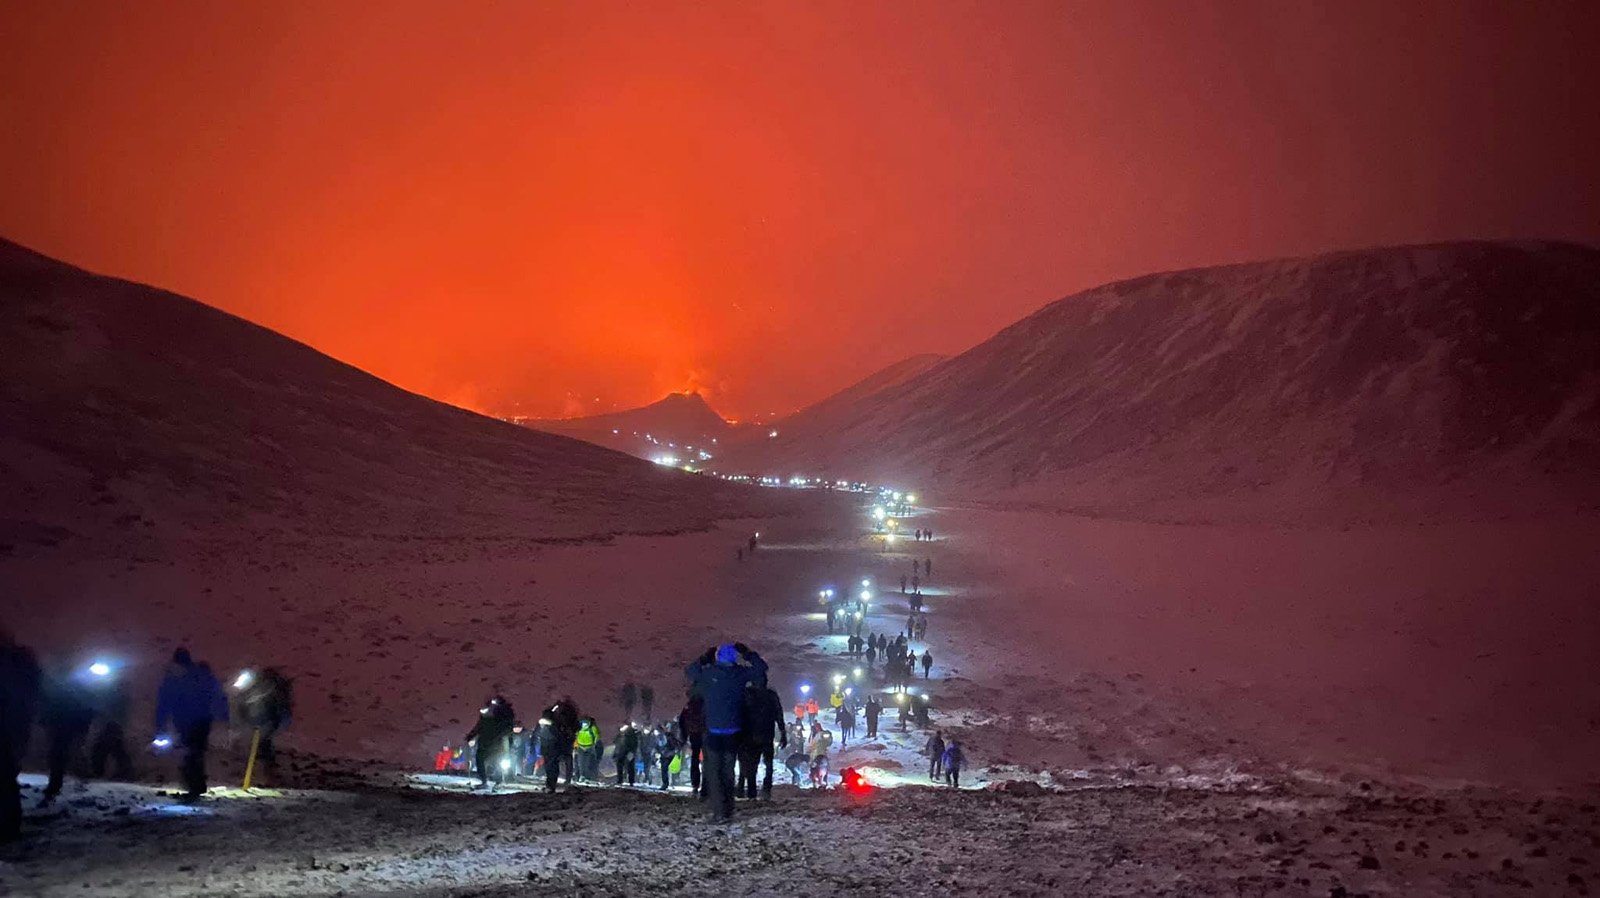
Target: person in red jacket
point(441, 761)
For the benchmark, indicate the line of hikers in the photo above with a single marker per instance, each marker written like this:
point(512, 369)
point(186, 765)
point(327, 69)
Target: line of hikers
point(900, 662)
point(731, 720)
point(728, 734)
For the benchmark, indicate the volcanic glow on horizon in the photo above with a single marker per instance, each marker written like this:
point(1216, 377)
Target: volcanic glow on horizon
point(562, 209)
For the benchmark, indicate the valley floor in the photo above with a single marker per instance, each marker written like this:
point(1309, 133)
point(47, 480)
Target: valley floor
point(1260, 838)
point(1225, 710)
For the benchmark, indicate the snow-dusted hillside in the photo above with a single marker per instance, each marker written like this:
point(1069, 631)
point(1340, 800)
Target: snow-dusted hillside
point(132, 416)
point(1454, 378)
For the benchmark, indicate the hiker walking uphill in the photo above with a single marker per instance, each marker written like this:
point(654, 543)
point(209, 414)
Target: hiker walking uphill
point(557, 731)
point(720, 679)
point(190, 698)
point(692, 730)
point(954, 758)
point(624, 751)
point(588, 745)
point(935, 749)
point(763, 717)
point(927, 663)
point(265, 702)
point(65, 713)
point(666, 746)
point(873, 709)
point(493, 735)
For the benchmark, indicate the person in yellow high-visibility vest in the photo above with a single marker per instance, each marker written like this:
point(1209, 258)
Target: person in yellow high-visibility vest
point(588, 744)
point(836, 699)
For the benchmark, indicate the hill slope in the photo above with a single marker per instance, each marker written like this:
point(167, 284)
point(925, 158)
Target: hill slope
point(821, 416)
point(1395, 381)
point(130, 413)
point(663, 427)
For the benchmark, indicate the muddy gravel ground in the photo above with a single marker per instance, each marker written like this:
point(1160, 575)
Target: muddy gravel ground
point(1287, 838)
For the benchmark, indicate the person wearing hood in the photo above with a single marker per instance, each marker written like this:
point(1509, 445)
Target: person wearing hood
point(493, 732)
point(763, 719)
point(189, 701)
point(954, 758)
point(722, 683)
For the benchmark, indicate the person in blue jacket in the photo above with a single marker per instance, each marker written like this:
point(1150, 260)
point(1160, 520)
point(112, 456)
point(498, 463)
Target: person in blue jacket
point(719, 679)
point(190, 700)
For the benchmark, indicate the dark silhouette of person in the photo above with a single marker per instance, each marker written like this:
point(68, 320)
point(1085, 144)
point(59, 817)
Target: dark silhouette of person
point(66, 714)
point(556, 741)
point(493, 732)
point(265, 704)
point(692, 729)
point(630, 697)
point(935, 748)
point(19, 701)
point(954, 759)
point(721, 683)
point(763, 719)
point(190, 699)
point(110, 700)
point(666, 748)
point(624, 751)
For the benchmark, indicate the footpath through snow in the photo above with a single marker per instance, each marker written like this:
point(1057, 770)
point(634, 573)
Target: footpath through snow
point(1136, 840)
point(1144, 799)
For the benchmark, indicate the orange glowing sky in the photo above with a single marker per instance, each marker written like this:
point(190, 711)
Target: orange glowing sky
point(558, 207)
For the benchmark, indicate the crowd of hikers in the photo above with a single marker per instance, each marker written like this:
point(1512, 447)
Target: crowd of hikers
point(82, 708)
point(729, 734)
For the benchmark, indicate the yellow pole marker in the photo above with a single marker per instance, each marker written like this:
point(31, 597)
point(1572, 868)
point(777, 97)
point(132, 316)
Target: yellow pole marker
point(250, 766)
